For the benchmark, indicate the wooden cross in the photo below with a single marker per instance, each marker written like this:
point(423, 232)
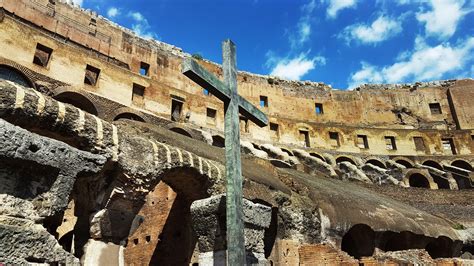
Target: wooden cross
point(233, 103)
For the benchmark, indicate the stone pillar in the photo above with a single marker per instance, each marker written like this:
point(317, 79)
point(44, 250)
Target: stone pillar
point(208, 216)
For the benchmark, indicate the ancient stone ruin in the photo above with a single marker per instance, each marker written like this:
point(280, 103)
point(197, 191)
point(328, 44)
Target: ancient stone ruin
point(110, 155)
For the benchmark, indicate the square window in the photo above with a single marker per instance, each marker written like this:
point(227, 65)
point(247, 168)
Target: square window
point(319, 109)
point(435, 108)
point(147, 239)
point(176, 109)
point(42, 55)
point(138, 95)
point(274, 130)
point(362, 142)
point(92, 75)
point(419, 143)
point(244, 124)
point(334, 139)
point(263, 101)
point(144, 69)
point(211, 115)
point(390, 143)
point(448, 146)
point(472, 137)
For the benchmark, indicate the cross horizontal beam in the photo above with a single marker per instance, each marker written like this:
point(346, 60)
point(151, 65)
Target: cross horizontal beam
point(207, 80)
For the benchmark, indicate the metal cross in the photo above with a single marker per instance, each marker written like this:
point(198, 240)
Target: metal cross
point(233, 103)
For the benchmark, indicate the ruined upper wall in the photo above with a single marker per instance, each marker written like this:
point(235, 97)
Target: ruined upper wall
point(79, 38)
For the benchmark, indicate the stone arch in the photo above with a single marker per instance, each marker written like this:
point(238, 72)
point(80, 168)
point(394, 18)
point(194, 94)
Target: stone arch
point(168, 224)
point(441, 181)
point(77, 99)
point(359, 241)
point(376, 162)
point(316, 155)
point(404, 161)
point(13, 74)
point(433, 164)
point(279, 163)
point(218, 141)
point(344, 158)
point(129, 114)
point(181, 131)
point(419, 178)
point(462, 164)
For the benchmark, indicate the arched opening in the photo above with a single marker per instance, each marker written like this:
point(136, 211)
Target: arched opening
point(181, 131)
point(165, 235)
point(287, 151)
point(402, 241)
point(440, 247)
point(462, 164)
point(376, 163)
point(433, 164)
point(317, 156)
point(345, 159)
point(442, 182)
point(280, 163)
point(78, 100)
point(359, 241)
point(418, 180)
point(405, 163)
point(218, 141)
point(14, 75)
point(129, 116)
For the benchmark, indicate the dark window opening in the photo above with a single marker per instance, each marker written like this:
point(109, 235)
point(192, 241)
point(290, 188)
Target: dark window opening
point(435, 108)
point(144, 69)
point(147, 239)
point(92, 75)
point(138, 95)
point(42, 55)
point(334, 139)
point(135, 241)
point(176, 109)
point(448, 146)
point(244, 124)
point(319, 109)
point(263, 101)
point(362, 142)
point(390, 143)
point(211, 115)
point(304, 135)
point(419, 180)
point(274, 129)
point(419, 143)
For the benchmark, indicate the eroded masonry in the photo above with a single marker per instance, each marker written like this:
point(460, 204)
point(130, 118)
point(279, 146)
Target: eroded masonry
point(109, 154)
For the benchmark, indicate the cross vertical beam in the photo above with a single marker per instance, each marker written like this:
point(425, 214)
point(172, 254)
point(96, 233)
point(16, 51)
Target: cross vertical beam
point(234, 209)
point(233, 103)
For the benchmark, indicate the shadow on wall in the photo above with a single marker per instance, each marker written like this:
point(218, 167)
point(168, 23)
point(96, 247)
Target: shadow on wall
point(361, 241)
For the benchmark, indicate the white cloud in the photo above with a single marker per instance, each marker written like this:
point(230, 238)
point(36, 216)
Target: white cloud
point(113, 12)
point(424, 63)
point(141, 26)
point(381, 29)
point(294, 68)
point(77, 2)
point(137, 16)
point(304, 25)
point(443, 18)
point(337, 5)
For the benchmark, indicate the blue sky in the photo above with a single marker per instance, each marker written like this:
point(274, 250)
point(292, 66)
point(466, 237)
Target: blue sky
point(339, 42)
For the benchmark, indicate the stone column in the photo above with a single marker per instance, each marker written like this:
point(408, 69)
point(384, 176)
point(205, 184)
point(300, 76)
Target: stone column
point(209, 223)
